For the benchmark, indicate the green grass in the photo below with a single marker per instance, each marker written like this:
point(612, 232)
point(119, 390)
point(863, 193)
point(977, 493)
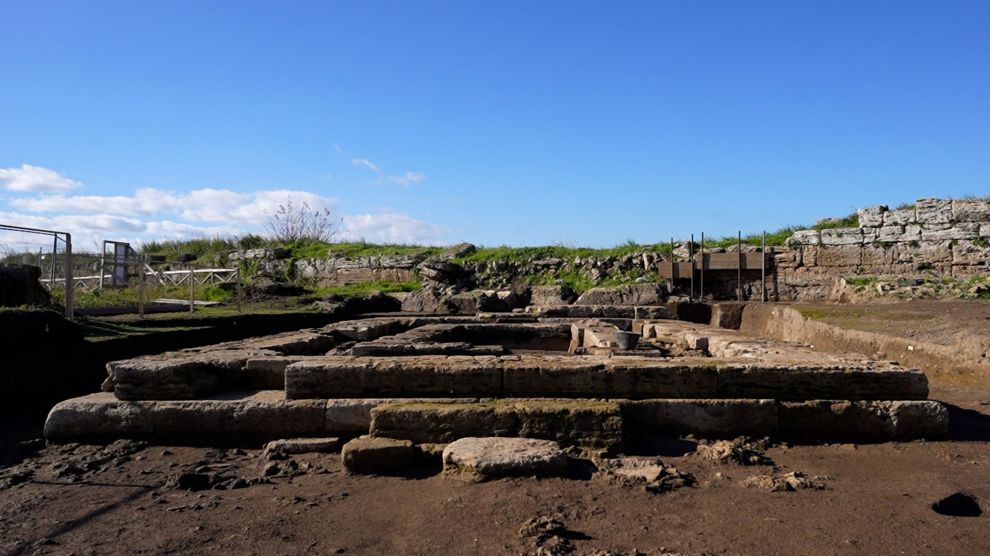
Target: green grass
point(862, 280)
point(850, 221)
point(118, 297)
point(521, 254)
point(363, 289)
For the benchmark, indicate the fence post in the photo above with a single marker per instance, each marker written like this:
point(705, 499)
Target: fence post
point(192, 290)
point(141, 259)
point(70, 301)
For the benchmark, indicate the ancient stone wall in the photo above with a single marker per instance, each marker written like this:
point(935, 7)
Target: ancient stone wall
point(934, 238)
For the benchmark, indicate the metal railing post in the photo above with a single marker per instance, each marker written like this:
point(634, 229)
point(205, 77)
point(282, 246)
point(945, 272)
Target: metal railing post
point(70, 301)
point(192, 290)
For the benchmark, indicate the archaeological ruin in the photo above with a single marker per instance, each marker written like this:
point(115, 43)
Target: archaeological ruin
point(598, 377)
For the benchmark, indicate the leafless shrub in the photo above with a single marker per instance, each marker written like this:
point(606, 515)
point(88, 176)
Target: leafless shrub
point(295, 222)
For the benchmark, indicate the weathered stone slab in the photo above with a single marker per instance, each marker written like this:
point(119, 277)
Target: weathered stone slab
point(704, 417)
point(872, 216)
point(840, 255)
point(933, 211)
point(901, 217)
point(824, 420)
point(959, 230)
point(600, 311)
point(293, 446)
point(842, 236)
point(378, 455)
point(631, 294)
point(302, 342)
point(785, 382)
point(182, 375)
point(248, 417)
point(805, 237)
point(490, 458)
point(971, 210)
point(355, 377)
point(592, 423)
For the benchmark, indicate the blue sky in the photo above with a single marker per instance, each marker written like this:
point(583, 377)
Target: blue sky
point(516, 123)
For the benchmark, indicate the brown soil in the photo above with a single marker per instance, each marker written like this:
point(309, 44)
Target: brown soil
point(877, 500)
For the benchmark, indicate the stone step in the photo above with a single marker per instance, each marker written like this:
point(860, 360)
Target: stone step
point(600, 377)
point(252, 418)
point(601, 424)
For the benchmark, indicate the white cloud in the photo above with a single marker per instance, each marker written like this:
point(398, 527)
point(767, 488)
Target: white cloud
point(366, 164)
point(152, 214)
point(390, 227)
point(408, 178)
point(35, 178)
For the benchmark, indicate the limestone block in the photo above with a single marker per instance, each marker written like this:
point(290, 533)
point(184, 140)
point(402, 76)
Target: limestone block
point(879, 255)
point(378, 455)
point(985, 230)
point(840, 255)
point(900, 217)
point(292, 446)
point(809, 383)
point(591, 423)
point(969, 252)
point(971, 210)
point(899, 234)
point(182, 375)
point(805, 237)
point(824, 420)
point(489, 458)
point(872, 217)
point(355, 377)
point(933, 211)
point(842, 236)
point(706, 417)
point(930, 252)
point(960, 230)
point(249, 417)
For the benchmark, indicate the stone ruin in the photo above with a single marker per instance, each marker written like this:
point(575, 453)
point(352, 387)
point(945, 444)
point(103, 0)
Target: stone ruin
point(594, 377)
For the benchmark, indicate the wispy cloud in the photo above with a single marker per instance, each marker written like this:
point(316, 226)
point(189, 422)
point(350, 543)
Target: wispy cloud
point(405, 179)
point(35, 178)
point(366, 164)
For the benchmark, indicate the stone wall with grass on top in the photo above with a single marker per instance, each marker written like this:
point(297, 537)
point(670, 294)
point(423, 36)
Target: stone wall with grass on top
point(933, 238)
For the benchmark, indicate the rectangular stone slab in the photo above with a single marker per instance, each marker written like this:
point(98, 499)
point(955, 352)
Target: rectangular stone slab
point(591, 423)
point(248, 417)
point(593, 377)
point(809, 383)
point(707, 418)
point(844, 421)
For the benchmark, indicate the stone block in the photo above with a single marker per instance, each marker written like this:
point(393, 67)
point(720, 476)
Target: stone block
point(590, 423)
point(900, 217)
point(378, 455)
point(831, 420)
point(293, 446)
point(182, 375)
point(960, 230)
point(969, 252)
point(810, 383)
point(933, 211)
point(842, 236)
point(232, 419)
point(355, 377)
point(930, 252)
point(705, 417)
point(879, 256)
point(971, 210)
point(840, 255)
point(490, 458)
point(872, 217)
point(899, 234)
point(805, 237)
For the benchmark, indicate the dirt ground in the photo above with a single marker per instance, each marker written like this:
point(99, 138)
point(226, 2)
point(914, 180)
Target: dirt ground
point(876, 499)
point(946, 322)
